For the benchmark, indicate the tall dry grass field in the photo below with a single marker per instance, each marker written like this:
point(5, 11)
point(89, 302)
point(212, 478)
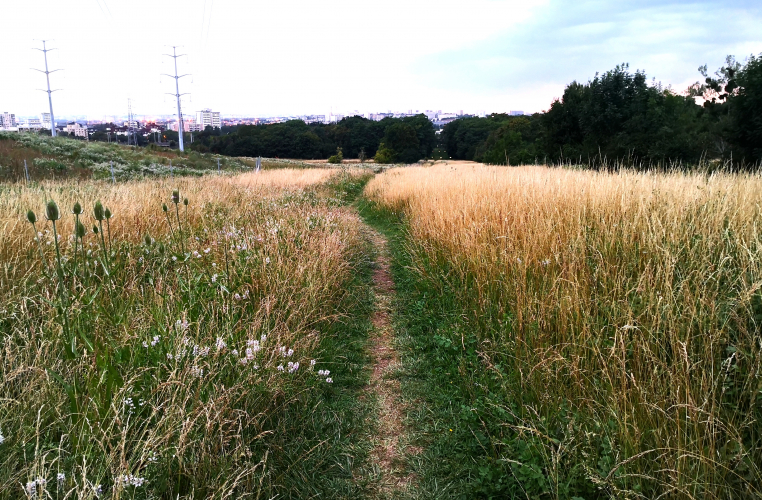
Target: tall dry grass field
point(178, 355)
point(618, 314)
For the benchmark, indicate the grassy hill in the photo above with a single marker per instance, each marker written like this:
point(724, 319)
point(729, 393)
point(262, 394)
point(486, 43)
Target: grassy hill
point(61, 157)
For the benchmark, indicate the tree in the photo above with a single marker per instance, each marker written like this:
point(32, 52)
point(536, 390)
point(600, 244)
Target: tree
point(338, 157)
point(746, 110)
point(384, 154)
point(403, 141)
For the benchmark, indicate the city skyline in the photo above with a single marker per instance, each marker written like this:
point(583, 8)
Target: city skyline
point(298, 58)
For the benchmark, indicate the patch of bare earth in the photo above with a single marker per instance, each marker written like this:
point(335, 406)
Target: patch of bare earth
point(388, 452)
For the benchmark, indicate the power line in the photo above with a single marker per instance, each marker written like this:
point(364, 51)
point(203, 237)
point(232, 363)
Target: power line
point(45, 51)
point(177, 94)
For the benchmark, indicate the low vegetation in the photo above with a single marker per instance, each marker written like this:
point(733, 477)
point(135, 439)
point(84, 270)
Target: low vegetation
point(573, 334)
point(186, 338)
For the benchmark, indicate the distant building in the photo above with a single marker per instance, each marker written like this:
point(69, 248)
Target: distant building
point(208, 118)
point(516, 113)
point(76, 129)
point(45, 119)
point(8, 120)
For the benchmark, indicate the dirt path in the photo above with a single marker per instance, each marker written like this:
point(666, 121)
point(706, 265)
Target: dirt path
point(388, 452)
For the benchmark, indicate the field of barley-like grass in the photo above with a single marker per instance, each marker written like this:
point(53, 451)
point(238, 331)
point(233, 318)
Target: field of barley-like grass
point(589, 334)
point(185, 338)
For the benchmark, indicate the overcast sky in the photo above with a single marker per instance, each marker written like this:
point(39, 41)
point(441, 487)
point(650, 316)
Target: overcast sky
point(278, 57)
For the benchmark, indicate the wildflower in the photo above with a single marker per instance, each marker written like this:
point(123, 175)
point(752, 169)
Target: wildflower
point(197, 372)
point(263, 338)
point(205, 351)
point(249, 353)
point(145, 344)
point(214, 264)
point(267, 260)
point(31, 489)
point(207, 250)
point(292, 367)
point(155, 340)
point(169, 356)
point(98, 490)
point(280, 368)
point(237, 297)
point(234, 352)
point(244, 361)
point(174, 259)
point(221, 344)
point(254, 344)
point(329, 380)
point(214, 278)
point(2, 438)
point(312, 363)
point(290, 352)
point(546, 262)
point(61, 477)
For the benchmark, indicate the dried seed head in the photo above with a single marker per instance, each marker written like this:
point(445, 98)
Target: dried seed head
point(77, 209)
point(95, 229)
point(31, 217)
point(185, 202)
point(176, 196)
point(148, 240)
point(80, 231)
point(51, 211)
point(98, 210)
point(107, 213)
point(164, 207)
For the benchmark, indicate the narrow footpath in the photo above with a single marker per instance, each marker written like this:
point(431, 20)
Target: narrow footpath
point(388, 454)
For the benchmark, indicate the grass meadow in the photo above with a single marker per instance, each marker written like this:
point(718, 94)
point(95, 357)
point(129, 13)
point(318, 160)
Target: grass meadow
point(184, 338)
point(578, 334)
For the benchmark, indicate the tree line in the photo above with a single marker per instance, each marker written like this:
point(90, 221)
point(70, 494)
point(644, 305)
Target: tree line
point(391, 140)
point(619, 117)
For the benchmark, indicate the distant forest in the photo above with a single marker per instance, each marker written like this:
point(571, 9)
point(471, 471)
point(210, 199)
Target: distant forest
point(398, 140)
point(617, 117)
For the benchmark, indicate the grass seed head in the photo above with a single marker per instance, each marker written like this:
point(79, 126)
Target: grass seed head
point(51, 211)
point(31, 217)
point(98, 210)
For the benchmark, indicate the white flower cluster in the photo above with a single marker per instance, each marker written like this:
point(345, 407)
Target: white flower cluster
point(221, 344)
point(181, 325)
point(286, 353)
point(60, 477)
point(197, 372)
point(31, 486)
point(2, 438)
point(325, 373)
point(292, 367)
point(129, 480)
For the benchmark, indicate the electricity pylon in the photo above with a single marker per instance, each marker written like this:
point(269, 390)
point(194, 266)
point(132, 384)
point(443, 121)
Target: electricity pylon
point(177, 94)
point(45, 51)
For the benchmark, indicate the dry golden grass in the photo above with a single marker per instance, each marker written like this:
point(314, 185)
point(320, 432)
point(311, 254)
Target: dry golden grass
point(630, 301)
point(267, 254)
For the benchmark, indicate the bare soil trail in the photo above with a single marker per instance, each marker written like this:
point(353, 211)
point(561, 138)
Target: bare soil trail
point(388, 455)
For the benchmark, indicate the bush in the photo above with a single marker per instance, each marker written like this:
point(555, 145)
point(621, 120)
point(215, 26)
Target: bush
point(338, 157)
point(385, 154)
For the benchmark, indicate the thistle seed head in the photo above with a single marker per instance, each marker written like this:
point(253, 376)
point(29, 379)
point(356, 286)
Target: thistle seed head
point(98, 210)
point(185, 202)
point(161, 248)
point(77, 209)
point(31, 217)
point(148, 240)
point(164, 207)
point(51, 211)
point(107, 213)
point(95, 229)
point(176, 196)
point(80, 231)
